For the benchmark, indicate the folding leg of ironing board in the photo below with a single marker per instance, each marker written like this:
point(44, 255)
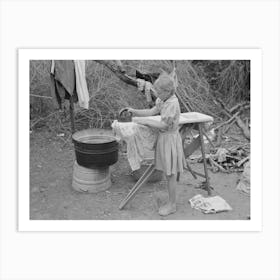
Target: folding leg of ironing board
point(148, 172)
point(191, 171)
point(194, 145)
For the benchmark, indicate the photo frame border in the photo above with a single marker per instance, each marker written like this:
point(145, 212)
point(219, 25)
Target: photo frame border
point(24, 222)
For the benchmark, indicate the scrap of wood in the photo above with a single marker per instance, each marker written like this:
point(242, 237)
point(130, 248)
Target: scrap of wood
point(217, 165)
point(241, 162)
point(233, 157)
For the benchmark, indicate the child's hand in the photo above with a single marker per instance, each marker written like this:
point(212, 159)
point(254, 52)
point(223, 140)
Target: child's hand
point(130, 110)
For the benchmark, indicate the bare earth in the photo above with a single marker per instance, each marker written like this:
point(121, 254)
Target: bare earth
point(53, 198)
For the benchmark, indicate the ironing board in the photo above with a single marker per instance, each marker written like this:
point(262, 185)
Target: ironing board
point(187, 122)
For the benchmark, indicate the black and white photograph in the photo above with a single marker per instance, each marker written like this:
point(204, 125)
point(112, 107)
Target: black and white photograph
point(140, 139)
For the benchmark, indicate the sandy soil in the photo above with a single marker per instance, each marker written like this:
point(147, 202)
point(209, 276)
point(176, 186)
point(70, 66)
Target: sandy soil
point(53, 198)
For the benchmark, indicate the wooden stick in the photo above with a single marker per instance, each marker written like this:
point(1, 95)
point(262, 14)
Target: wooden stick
point(239, 163)
point(148, 172)
point(217, 165)
point(229, 126)
point(191, 171)
point(239, 105)
point(228, 121)
point(41, 96)
point(204, 159)
point(199, 174)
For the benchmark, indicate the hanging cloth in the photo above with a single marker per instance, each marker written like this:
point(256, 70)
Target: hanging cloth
point(63, 81)
point(81, 83)
point(145, 86)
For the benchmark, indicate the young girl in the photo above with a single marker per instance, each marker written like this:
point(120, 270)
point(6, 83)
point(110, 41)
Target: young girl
point(169, 155)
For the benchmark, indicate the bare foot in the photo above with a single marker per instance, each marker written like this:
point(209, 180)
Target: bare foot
point(167, 209)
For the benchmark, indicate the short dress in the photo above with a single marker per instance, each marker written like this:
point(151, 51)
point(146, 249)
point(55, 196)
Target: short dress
point(169, 156)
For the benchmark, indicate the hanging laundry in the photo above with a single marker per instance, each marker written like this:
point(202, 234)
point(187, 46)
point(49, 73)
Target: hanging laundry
point(63, 81)
point(140, 84)
point(209, 205)
point(81, 83)
point(140, 141)
point(146, 87)
point(150, 77)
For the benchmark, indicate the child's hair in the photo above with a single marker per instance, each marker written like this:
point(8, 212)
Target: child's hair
point(167, 82)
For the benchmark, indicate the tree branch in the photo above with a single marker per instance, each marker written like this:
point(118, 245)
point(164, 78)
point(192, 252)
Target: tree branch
point(118, 71)
point(240, 123)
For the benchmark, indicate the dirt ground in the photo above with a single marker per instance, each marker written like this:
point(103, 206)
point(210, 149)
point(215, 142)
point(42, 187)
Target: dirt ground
point(53, 198)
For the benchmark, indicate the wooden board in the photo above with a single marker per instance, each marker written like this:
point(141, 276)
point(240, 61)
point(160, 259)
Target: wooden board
point(191, 117)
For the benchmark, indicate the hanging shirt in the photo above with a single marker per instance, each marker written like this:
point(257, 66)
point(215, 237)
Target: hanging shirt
point(63, 81)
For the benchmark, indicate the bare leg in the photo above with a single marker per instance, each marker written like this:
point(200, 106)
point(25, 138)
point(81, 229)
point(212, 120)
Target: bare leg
point(170, 207)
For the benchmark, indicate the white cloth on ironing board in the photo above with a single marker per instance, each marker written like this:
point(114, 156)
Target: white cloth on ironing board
point(140, 141)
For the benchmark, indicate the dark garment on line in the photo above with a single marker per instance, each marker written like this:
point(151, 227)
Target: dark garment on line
point(63, 82)
point(149, 77)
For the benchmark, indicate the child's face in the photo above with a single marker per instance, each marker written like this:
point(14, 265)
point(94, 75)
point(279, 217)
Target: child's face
point(163, 93)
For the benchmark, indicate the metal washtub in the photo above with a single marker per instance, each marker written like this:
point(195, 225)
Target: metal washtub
point(95, 149)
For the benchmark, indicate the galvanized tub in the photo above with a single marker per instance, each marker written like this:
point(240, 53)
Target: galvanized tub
point(90, 180)
point(95, 150)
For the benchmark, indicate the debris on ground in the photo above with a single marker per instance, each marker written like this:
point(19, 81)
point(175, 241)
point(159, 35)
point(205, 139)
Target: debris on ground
point(209, 205)
point(225, 160)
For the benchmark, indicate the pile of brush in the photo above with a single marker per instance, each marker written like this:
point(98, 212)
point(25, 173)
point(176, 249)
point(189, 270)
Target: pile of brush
point(225, 160)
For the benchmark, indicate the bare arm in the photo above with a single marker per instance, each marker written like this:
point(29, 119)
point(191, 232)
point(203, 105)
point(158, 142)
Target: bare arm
point(151, 123)
point(144, 112)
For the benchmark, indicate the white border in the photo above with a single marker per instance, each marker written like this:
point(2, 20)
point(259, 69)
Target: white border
point(25, 224)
